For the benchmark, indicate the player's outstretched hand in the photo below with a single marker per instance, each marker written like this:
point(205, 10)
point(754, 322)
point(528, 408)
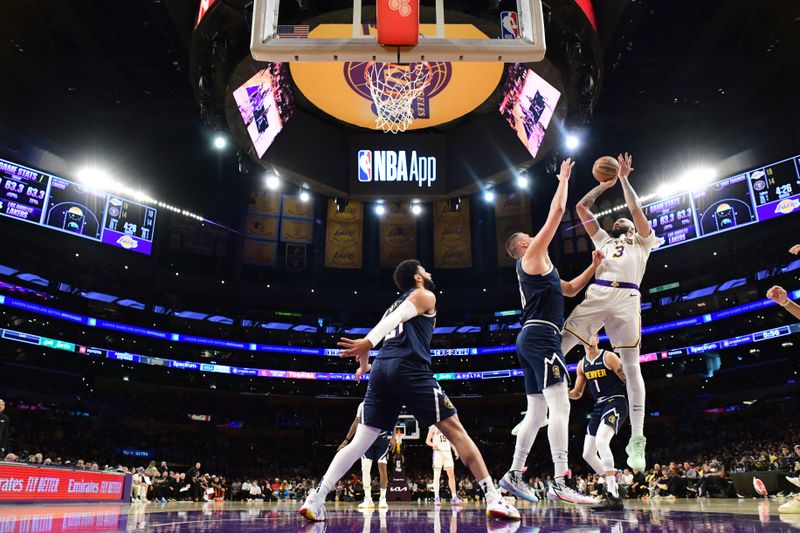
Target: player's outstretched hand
point(794, 250)
point(597, 258)
point(363, 370)
point(610, 183)
point(625, 165)
point(777, 294)
point(354, 347)
point(566, 169)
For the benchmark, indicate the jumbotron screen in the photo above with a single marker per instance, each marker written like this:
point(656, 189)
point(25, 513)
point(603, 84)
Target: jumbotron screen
point(265, 103)
point(528, 105)
point(63, 205)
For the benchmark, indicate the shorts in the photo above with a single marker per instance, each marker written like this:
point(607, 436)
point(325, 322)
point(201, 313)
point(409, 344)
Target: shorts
point(379, 451)
point(539, 353)
point(613, 412)
point(398, 382)
point(618, 310)
point(443, 459)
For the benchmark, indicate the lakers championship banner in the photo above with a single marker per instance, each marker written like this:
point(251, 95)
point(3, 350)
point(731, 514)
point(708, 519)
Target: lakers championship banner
point(344, 236)
point(398, 235)
point(452, 241)
point(512, 214)
point(258, 252)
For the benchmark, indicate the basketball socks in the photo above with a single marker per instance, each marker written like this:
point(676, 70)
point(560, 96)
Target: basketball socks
point(366, 477)
point(345, 458)
point(537, 412)
point(437, 474)
point(634, 383)
point(489, 490)
point(558, 429)
point(383, 494)
point(611, 486)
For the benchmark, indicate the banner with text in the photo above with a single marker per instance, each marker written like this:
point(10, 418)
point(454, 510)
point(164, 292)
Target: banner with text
point(452, 241)
point(512, 213)
point(258, 252)
point(398, 235)
point(344, 236)
point(27, 483)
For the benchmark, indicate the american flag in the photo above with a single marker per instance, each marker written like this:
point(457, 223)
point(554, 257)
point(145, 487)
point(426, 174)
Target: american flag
point(293, 31)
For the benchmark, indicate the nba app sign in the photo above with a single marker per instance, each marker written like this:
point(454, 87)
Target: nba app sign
point(414, 165)
point(398, 166)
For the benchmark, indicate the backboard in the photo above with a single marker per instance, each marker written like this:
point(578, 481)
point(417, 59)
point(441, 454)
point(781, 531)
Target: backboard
point(267, 45)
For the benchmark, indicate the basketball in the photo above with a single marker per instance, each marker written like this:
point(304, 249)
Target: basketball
point(605, 168)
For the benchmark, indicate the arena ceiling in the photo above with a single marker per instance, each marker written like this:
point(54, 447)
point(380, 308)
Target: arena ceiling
point(111, 83)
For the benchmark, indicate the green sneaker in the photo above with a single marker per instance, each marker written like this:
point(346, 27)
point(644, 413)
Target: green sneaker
point(635, 451)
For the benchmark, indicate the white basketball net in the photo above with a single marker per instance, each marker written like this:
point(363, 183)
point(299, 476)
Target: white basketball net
point(394, 89)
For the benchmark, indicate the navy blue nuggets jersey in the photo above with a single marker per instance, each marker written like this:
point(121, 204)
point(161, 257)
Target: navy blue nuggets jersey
point(411, 339)
point(542, 298)
point(603, 382)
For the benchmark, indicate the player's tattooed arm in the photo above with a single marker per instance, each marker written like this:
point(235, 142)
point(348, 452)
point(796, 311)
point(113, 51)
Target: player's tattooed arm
point(584, 207)
point(613, 362)
point(631, 198)
point(580, 383)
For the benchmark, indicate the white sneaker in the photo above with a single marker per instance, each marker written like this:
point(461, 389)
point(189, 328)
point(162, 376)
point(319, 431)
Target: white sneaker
point(571, 496)
point(551, 495)
point(366, 504)
point(312, 509)
point(383, 504)
point(791, 507)
point(513, 483)
point(500, 508)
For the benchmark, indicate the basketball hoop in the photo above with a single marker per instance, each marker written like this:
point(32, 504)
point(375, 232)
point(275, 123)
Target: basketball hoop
point(393, 88)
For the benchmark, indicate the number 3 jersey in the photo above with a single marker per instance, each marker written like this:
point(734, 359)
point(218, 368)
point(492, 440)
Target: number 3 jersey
point(411, 339)
point(625, 258)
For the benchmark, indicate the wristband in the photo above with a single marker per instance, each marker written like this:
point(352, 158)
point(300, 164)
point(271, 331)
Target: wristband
point(787, 302)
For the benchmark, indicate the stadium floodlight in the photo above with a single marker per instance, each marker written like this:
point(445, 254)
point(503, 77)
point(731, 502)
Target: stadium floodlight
point(273, 182)
point(96, 178)
point(416, 209)
point(304, 196)
point(380, 210)
point(219, 141)
point(522, 182)
point(571, 142)
point(488, 195)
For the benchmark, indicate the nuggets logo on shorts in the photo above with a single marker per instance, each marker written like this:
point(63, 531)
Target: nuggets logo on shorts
point(448, 403)
point(556, 371)
point(612, 419)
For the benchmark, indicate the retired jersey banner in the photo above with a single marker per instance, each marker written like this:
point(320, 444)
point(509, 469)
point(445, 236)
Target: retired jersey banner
point(301, 231)
point(294, 208)
point(261, 227)
point(265, 203)
point(32, 484)
point(344, 236)
point(258, 252)
point(512, 214)
point(452, 240)
point(398, 235)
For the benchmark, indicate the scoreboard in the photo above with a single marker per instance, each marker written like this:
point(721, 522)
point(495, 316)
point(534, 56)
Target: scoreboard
point(727, 204)
point(66, 206)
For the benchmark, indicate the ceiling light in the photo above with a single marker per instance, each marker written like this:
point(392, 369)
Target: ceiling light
point(273, 182)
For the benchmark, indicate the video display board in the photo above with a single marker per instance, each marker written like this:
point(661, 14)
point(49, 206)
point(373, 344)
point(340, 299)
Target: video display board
point(70, 207)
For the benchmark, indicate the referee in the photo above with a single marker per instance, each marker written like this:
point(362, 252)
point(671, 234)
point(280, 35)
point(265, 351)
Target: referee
point(4, 425)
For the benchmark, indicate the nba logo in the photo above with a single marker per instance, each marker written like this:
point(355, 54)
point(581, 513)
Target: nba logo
point(509, 25)
point(365, 166)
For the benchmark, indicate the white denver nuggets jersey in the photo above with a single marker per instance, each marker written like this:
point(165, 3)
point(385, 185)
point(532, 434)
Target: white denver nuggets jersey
point(625, 258)
point(440, 442)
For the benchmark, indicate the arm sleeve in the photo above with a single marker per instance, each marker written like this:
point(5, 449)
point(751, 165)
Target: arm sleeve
point(404, 312)
point(649, 242)
point(599, 238)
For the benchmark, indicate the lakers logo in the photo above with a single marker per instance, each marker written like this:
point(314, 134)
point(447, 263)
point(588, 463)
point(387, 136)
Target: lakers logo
point(448, 403)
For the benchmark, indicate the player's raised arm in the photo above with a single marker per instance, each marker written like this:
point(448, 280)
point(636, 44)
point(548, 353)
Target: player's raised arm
point(574, 286)
point(580, 383)
point(778, 295)
point(631, 198)
point(584, 207)
point(557, 208)
point(613, 362)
